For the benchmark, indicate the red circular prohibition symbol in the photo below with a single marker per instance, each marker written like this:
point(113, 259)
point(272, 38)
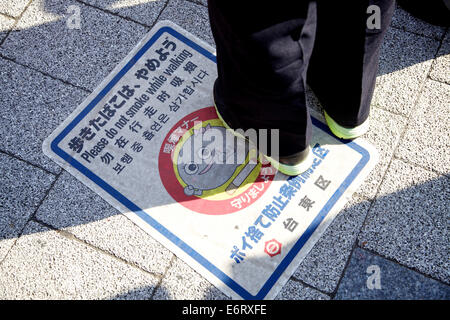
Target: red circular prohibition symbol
point(176, 190)
point(272, 247)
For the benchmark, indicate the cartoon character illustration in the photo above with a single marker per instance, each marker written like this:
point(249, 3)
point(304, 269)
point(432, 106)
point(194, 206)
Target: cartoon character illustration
point(209, 162)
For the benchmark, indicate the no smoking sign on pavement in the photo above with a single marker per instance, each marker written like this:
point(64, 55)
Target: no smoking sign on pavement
point(272, 248)
point(243, 226)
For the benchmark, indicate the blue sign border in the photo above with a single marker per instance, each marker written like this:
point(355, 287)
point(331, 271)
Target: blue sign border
point(164, 231)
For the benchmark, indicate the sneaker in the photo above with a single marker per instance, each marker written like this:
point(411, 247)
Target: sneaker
point(295, 164)
point(346, 132)
point(291, 165)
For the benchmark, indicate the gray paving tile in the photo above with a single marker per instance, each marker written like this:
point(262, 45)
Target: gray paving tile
point(441, 65)
point(313, 104)
point(404, 64)
point(143, 11)
point(183, 283)
point(22, 188)
point(395, 282)
point(83, 56)
point(293, 290)
point(73, 207)
point(5, 25)
point(45, 265)
point(190, 16)
point(409, 220)
point(33, 105)
point(13, 8)
point(404, 20)
point(427, 139)
point(323, 266)
point(384, 134)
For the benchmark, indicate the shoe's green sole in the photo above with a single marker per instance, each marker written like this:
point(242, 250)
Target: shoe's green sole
point(288, 170)
point(293, 170)
point(346, 133)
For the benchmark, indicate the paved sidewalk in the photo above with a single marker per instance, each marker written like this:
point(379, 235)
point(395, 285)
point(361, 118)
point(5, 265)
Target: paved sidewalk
point(60, 240)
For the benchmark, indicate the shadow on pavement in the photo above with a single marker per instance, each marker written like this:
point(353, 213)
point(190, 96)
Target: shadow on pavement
point(397, 222)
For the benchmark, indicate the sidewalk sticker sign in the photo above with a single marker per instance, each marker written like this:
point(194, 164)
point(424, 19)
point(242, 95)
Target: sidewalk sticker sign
point(245, 227)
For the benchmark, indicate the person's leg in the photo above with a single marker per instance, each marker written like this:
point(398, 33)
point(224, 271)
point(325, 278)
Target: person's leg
point(344, 63)
point(262, 58)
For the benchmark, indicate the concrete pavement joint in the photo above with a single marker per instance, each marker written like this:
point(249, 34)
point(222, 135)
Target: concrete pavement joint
point(355, 243)
point(120, 16)
point(89, 5)
point(7, 16)
point(439, 81)
point(43, 199)
point(15, 23)
point(159, 14)
point(363, 197)
point(32, 215)
point(402, 133)
point(390, 111)
point(29, 163)
point(402, 265)
point(160, 280)
point(2, 56)
point(66, 234)
point(309, 286)
point(447, 175)
point(415, 33)
point(441, 43)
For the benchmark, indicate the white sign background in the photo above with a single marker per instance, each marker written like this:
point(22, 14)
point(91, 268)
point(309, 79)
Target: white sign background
point(205, 241)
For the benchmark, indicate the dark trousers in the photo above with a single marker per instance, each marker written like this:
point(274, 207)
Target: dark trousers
point(267, 51)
